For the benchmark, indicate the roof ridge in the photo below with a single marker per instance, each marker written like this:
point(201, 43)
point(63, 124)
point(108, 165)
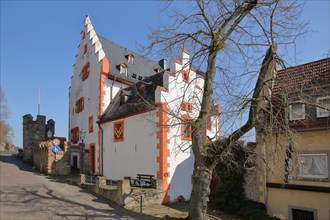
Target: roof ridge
point(305, 64)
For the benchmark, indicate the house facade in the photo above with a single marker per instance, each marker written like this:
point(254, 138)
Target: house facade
point(296, 180)
point(150, 130)
point(136, 113)
point(101, 69)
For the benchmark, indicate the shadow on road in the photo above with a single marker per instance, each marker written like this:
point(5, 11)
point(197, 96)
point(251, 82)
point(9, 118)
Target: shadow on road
point(18, 161)
point(56, 198)
point(30, 202)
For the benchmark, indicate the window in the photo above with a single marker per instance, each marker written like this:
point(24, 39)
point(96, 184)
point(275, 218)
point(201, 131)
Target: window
point(186, 128)
point(123, 69)
point(75, 135)
point(85, 48)
point(324, 102)
point(313, 166)
point(118, 131)
point(185, 76)
point(80, 105)
point(83, 35)
point(302, 213)
point(130, 58)
point(296, 111)
point(186, 106)
point(90, 124)
point(85, 71)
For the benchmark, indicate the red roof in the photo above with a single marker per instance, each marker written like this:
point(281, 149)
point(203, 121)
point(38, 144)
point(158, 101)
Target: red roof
point(307, 75)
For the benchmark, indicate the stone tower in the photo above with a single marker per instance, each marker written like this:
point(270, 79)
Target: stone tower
point(34, 131)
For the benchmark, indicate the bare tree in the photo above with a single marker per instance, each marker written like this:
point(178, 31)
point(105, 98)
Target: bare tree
point(236, 43)
point(5, 129)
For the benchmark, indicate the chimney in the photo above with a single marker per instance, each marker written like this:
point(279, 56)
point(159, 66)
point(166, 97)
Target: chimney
point(163, 63)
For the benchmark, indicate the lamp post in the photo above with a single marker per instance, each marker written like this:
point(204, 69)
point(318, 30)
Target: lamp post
point(49, 134)
point(82, 133)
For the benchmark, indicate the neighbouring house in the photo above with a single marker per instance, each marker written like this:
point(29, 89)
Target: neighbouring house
point(142, 109)
point(296, 180)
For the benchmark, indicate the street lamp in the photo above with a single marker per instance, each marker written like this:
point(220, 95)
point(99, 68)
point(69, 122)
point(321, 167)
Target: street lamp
point(82, 133)
point(49, 134)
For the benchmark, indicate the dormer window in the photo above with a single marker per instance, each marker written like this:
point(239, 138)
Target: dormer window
point(158, 70)
point(130, 58)
point(123, 69)
point(123, 98)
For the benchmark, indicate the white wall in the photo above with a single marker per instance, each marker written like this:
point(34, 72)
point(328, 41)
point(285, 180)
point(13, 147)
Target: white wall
point(89, 88)
point(181, 158)
point(137, 153)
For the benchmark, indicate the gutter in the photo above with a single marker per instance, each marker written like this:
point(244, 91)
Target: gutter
point(99, 125)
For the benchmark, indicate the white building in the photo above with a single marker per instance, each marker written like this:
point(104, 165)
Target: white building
point(142, 110)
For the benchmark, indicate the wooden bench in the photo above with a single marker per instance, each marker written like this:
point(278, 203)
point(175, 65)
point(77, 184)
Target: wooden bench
point(144, 180)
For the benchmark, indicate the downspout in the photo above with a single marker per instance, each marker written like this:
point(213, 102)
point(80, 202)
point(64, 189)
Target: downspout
point(98, 123)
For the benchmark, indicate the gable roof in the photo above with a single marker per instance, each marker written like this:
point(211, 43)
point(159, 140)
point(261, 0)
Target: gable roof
point(117, 55)
point(134, 99)
point(301, 77)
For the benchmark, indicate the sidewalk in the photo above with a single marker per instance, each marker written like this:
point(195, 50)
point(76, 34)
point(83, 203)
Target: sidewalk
point(168, 212)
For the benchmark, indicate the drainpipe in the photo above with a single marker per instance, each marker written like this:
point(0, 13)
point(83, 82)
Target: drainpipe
point(98, 123)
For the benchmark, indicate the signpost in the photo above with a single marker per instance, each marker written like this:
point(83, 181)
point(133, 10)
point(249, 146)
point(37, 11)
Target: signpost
point(56, 141)
point(56, 149)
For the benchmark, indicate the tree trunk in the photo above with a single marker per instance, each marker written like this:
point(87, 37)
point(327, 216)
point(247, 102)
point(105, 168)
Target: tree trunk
point(200, 196)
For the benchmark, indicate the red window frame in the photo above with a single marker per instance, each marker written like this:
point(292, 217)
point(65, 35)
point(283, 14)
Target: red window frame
point(85, 71)
point(80, 105)
point(85, 48)
point(186, 128)
point(186, 106)
point(90, 124)
point(185, 76)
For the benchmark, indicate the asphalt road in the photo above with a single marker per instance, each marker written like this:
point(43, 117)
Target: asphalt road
point(27, 194)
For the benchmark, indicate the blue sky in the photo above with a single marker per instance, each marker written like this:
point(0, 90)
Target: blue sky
point(39, 42)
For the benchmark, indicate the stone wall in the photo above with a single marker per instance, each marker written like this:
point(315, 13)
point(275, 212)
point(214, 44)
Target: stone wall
point(35, 131)
point(123, 194)
point(44, 158)
point(251, 186)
